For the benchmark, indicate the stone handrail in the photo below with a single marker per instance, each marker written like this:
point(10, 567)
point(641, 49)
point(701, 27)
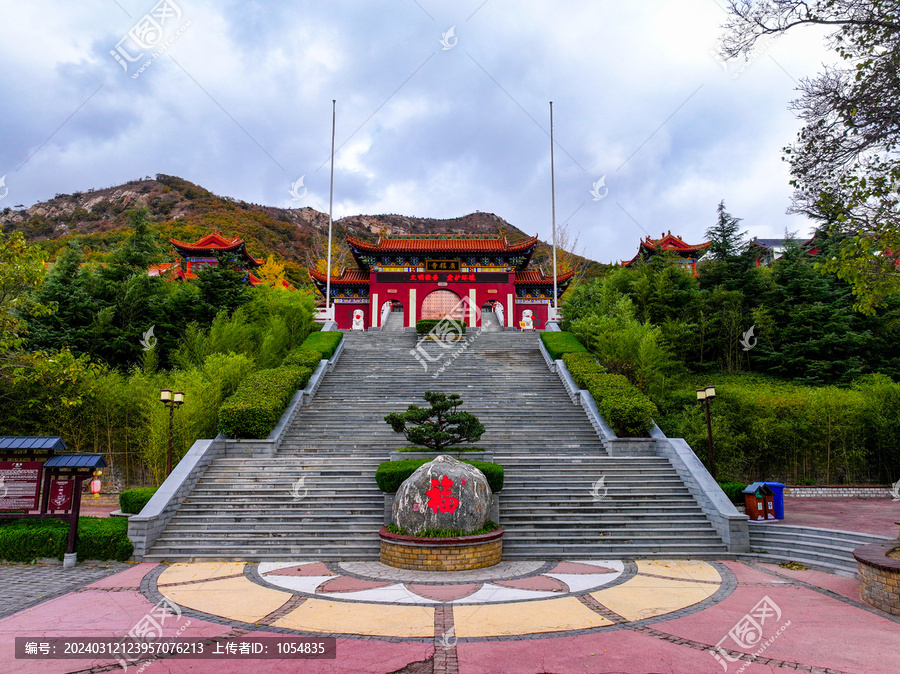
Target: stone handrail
point(145, 527)
point(546, 354)
point(731, 525)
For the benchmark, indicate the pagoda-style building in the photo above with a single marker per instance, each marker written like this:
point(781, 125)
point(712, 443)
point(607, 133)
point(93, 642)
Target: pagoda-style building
point(687, 254)
point(203, 253)
point(429, 275)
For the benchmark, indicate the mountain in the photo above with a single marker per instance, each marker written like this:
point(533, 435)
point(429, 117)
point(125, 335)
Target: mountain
point(183, 210)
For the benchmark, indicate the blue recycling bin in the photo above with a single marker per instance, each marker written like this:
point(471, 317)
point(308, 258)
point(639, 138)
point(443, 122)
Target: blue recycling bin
point(778, 494)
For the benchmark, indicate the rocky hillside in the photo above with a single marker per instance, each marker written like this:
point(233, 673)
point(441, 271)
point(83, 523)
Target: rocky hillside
point(95, 220)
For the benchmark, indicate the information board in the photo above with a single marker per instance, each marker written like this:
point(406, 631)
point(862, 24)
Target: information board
point(20, 483)
point(61, 493)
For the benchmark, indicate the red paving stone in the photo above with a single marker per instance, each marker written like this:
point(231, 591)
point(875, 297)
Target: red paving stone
point(867, 515)
point(129, 578)
point(350, 584)
point(846, 587)
point(621, 652)
point(574, 567)
point(317, 569)
point(824, 632)
point(444, 592)
point(353, 655)
point(538, 583)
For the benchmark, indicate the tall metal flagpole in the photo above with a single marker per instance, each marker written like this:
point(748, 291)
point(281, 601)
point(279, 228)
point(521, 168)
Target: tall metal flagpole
point(330, 215)
point(553, 216)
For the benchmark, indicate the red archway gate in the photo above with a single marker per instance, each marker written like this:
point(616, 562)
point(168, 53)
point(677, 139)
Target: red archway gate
point(440, 303)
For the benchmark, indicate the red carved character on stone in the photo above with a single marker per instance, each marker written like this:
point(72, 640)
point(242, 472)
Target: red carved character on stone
point(440, 496)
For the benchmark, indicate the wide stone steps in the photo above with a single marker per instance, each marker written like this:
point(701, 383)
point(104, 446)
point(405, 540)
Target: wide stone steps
point(255, 509)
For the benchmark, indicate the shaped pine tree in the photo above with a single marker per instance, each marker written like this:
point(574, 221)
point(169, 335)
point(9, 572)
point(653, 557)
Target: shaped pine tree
point(437, 427)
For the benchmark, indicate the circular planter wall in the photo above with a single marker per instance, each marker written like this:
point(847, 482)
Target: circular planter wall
point(879, 575)
point(441, 554)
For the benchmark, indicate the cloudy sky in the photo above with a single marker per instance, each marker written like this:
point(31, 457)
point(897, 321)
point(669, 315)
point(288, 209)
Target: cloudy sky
point(442, 108)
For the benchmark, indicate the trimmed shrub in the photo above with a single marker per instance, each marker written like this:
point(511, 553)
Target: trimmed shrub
point(488, 527)
point(302, 358)
point(426, 325)
point(391, 474)
point(26, 540)
point(628, 411)
point(734, 491)
point(583, 366)
point(324, 342)
point(255, 408)
point(132, 501)
point(559, 343)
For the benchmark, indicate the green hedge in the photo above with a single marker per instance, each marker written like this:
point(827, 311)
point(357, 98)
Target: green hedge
point(323, 342)
point(628, 411)
point(301, 357)
point(582, 366)
point(132, 501)
point(391, 474)
point(426, 325)
point(99, 538)
point(559, 343)
point(255, 408)
point(448, 450)
point(734, 491)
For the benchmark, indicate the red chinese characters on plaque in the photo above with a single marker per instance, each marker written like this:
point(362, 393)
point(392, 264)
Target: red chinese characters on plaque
point(20, 483)
point(440, 498)
point(61, 494)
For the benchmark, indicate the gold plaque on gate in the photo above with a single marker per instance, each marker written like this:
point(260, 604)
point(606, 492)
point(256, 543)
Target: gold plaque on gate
point(442, 265)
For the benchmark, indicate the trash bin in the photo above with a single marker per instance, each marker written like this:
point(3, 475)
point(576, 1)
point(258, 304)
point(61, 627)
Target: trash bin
point(759, 501)
point(778, 493)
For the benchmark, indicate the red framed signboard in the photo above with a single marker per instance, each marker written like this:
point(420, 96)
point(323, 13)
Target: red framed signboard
point(61, 493)
point(20, 484)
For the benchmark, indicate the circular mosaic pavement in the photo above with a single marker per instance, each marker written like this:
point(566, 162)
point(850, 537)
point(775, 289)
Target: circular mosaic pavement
point(368, 599)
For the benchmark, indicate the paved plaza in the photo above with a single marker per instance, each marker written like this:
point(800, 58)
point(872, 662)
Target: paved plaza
point(597, 616)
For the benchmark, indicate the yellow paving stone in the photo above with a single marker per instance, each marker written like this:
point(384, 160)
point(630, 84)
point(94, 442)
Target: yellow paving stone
point(179, 573)
point(233, 598)
point(382, 620)
point(679, 568)
point(645, 597)
point(533, 617)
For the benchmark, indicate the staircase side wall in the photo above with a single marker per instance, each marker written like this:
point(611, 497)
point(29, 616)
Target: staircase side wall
point(731, 525)
point(145, 528)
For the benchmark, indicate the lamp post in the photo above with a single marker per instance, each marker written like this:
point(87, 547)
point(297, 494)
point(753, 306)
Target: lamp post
point(704, 395)
point(170, 400)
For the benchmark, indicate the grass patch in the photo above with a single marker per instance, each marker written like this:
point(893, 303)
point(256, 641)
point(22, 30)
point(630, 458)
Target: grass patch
point(488, 527)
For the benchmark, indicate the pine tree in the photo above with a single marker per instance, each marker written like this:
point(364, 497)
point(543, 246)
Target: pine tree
point(726, 241)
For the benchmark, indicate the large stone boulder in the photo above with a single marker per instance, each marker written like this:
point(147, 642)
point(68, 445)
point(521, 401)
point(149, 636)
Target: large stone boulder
point(443, 494)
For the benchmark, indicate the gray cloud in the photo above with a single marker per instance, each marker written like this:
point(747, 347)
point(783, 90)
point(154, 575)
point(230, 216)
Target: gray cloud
point(241, 104)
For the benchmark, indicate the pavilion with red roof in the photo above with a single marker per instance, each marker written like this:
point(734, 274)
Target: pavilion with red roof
point(204, 253)
point(428, 276)
point(669, 243)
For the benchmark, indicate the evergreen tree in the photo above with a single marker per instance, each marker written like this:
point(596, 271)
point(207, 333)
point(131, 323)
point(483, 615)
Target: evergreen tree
point(223, 286)
point(726, 240)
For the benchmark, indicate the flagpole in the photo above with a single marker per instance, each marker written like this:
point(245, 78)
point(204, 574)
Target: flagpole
point(330, 215)
point(553, 215)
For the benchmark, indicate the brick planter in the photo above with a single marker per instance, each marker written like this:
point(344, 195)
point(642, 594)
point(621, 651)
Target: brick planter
point(441, 554)
point(879, 576)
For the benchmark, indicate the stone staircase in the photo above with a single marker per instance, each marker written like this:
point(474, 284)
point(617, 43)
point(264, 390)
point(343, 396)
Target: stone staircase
point(564, 497)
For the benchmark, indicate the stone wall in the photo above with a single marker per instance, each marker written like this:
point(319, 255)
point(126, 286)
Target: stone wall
point(879, 576)
point(850, 491)
point(418, 554)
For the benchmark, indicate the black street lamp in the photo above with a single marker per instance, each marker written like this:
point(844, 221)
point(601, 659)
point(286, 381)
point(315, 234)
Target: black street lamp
point(171, 401)
point(704, 395)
